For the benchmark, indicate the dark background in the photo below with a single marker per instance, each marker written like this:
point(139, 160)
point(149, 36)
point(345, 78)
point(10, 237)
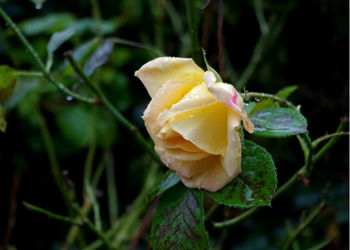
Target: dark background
point(310, 51)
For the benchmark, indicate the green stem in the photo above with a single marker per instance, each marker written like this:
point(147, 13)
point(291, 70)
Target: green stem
point(305, 224)
point(29, 73)
point(91, 151)
point(95, 206)
point(328, 136)
point(274, 98)
point(52, 214)
point(330, 143)
point(119, 117)
point(74, 230)
point(39, 62)
point(96, 13)
point(91, 226)
point(136, 44)
point(193, 29)
point(111, 189)
point(55, 169)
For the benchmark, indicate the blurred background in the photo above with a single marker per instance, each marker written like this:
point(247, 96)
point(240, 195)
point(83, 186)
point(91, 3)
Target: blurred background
point(267, 45)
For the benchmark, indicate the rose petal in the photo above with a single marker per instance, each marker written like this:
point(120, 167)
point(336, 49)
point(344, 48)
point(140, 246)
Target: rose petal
point(186, 169)
point(158, 71)
point(212, 178)
point(205, 127)
point(232, 157)
point(170, 92)
point(198, 97)
point(228, 96)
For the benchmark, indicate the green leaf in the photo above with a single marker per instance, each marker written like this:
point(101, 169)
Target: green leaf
point(99, 57)
point(56, 40)
point(287, 91)
point(7, 82)
point(283, 93)
point(46, 24)
point(178, 222)
point(3, 123)
point(278, 122)
point(256, 183)
point(169, 180)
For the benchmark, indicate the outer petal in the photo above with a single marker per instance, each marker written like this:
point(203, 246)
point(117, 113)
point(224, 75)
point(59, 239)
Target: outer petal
point(158, 71)
point(170, 92)
point(228, 96)
point(232, 158)
point(205, 127)
point(212, 179)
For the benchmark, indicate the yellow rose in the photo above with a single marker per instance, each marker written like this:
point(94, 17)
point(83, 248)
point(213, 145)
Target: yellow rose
point(194, 121)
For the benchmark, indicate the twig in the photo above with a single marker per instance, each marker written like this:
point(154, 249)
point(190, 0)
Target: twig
point(119, 117)
point(193, 30)
point(95, 206)
point(29, 73)
point(111, 188)
point(11, 222)
point(328, 136)
point(136, 44)
point(91, 226)
point(39, 62)
point(55, 169)
point(259, 12)
point(305, 224)
point(331, 142)
point(52, 214)
point(144, 224)
point(220, 36)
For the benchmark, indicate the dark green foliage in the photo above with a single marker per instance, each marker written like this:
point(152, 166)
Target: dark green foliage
point(179, 220)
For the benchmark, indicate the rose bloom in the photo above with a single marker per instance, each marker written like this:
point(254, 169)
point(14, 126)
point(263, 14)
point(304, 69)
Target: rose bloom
point(194, 121)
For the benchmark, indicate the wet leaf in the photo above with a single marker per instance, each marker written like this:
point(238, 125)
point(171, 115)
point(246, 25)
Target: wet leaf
point(7, 82)
point(178, 222)
point(169, 180)
point(278, 122)
point(99, 57)
point(256, 183)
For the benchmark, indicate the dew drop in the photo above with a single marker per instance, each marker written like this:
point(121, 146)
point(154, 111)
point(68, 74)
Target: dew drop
point(257, 99)
point(69, 98)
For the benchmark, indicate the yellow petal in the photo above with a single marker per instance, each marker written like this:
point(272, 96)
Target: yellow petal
point(158, 71)
point(181, 143)
point(232, 157)
point(186, 169)
point(212, 178)
point(205, 127)
point(171, 92)
point(228, 96)
point(198, 97)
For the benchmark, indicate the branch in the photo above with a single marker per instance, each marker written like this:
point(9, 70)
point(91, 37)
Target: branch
point(305, 224)
point(52, 214)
